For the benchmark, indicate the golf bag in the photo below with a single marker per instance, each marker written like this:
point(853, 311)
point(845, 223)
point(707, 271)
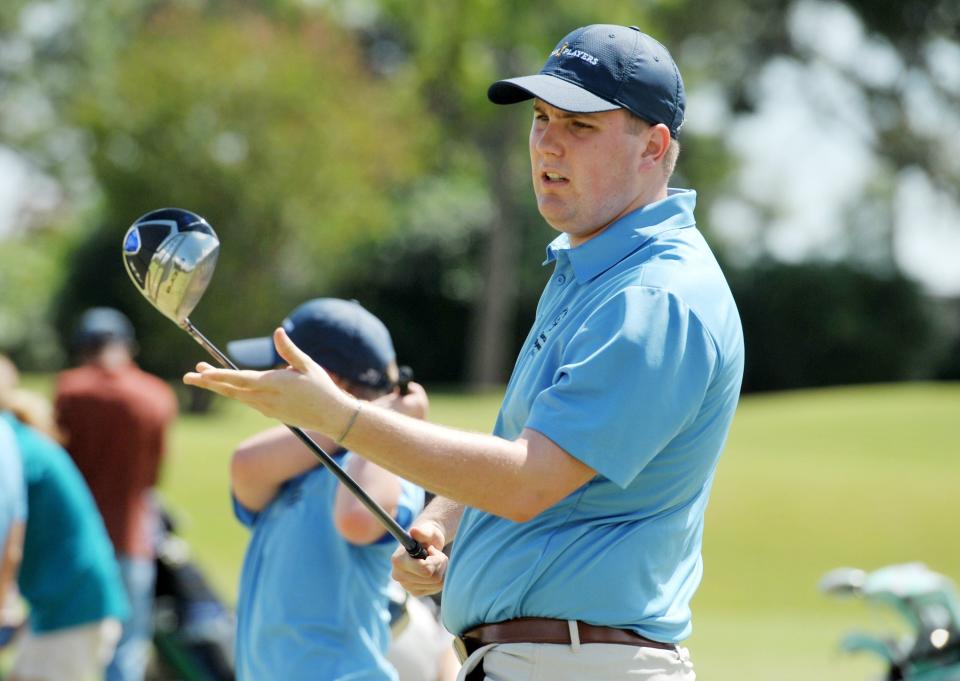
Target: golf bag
point(929, 603)
point(193, 629)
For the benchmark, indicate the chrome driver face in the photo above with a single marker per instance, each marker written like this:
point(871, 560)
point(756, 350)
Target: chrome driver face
point(179, 273)
point(170, 255)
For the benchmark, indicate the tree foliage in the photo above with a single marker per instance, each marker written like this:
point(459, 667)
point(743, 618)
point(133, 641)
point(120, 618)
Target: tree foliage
point(273, 131)
point(344, 148)
point(828, 324)
point(450, 53)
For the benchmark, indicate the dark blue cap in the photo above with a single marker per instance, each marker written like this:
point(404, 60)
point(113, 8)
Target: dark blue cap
point(103, 324)
point(604, 67)
point(339, 335)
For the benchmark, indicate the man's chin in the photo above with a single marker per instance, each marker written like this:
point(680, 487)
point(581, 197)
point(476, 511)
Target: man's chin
point(553, 225)
point(554, 217)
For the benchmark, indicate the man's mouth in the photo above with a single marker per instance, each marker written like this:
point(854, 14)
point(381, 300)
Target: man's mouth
point(553, 178)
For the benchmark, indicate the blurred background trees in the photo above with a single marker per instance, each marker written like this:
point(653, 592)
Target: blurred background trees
point(347, 148)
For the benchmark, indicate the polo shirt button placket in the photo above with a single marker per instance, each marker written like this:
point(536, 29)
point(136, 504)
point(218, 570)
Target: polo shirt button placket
point(561, 279)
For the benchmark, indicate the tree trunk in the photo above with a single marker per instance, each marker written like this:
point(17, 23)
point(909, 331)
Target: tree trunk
point(490, 342)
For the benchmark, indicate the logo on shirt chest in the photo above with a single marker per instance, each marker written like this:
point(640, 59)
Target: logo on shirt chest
point(547, 332)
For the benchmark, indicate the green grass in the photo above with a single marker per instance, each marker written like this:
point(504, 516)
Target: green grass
point(809, 481)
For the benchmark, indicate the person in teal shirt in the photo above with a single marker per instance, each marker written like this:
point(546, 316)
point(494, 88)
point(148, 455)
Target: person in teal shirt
point(68, 574)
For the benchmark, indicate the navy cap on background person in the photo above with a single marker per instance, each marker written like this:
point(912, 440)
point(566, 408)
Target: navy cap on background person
point(603, 67)
point(100, 325)
point(339, 335)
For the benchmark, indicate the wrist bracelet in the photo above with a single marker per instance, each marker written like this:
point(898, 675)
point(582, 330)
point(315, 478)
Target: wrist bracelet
point(353, 419)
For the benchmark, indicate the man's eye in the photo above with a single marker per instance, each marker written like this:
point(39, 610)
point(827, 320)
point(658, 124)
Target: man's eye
point(582, 125)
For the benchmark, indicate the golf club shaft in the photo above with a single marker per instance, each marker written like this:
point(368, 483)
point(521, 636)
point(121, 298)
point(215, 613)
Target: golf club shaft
point(412, 546)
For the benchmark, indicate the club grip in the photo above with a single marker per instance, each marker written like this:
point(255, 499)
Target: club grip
point(415, 549)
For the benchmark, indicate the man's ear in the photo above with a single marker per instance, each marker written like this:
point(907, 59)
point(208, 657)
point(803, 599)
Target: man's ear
point(658, 141)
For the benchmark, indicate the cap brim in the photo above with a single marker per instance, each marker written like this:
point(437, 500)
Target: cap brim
point(254, 353)
point(554, 91)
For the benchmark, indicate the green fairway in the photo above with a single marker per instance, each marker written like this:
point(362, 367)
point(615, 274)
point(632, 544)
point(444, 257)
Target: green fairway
point(809, 481)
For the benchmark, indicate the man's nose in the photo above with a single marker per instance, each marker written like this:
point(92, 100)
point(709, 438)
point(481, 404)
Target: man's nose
point(547, 140)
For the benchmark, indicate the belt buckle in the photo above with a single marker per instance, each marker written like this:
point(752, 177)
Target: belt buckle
point(460, 648)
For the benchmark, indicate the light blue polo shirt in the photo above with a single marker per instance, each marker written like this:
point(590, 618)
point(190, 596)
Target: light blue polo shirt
point(312, 606)
point(633, 366)
point(13, 495)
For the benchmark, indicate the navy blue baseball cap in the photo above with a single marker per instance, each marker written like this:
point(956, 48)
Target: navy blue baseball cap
point(101, 325)
point(339, 335)
point(603, 67)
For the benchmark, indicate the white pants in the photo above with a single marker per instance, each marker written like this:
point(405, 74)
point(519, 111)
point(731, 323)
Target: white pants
point(418, 651)
point(73, 654)
point(579, 662)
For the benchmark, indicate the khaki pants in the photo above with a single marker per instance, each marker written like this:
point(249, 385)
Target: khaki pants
point(73, 654)
point(576, 662)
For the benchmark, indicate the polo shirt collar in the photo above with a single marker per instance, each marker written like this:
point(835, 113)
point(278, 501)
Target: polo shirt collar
point(626, 235)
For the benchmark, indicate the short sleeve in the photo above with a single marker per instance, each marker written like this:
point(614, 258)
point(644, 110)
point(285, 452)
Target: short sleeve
point(631, 378)
point(246, 516)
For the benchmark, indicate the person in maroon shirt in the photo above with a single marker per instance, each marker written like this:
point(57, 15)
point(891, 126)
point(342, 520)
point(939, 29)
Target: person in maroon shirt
point(114, 417)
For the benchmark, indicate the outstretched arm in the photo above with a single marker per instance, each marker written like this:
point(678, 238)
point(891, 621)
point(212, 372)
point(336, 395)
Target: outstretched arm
point(515, 480)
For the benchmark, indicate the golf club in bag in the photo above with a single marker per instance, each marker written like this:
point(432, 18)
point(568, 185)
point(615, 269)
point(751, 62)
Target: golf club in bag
point(193, 629)
point(170, 255)
point(926, 600)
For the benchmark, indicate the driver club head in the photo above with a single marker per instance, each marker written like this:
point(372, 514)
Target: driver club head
point(170, 255)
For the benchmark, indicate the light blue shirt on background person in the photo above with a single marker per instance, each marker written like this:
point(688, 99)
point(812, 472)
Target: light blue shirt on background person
point(13, 496)
point(633, 366)
point(311, 605)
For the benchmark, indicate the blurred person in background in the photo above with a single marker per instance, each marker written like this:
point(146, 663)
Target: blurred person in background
point(114, 419)
point(313, 600)
point(13, 497)
point(29, 407)
point(13, 513)
point(68, 574)
point(420, 648)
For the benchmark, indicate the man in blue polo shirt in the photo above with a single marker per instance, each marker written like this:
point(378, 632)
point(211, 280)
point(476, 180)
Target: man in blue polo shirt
point(578, 525)
point(315, 581)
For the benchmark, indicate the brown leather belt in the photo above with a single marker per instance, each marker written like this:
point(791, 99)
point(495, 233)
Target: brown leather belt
point(543, 630)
